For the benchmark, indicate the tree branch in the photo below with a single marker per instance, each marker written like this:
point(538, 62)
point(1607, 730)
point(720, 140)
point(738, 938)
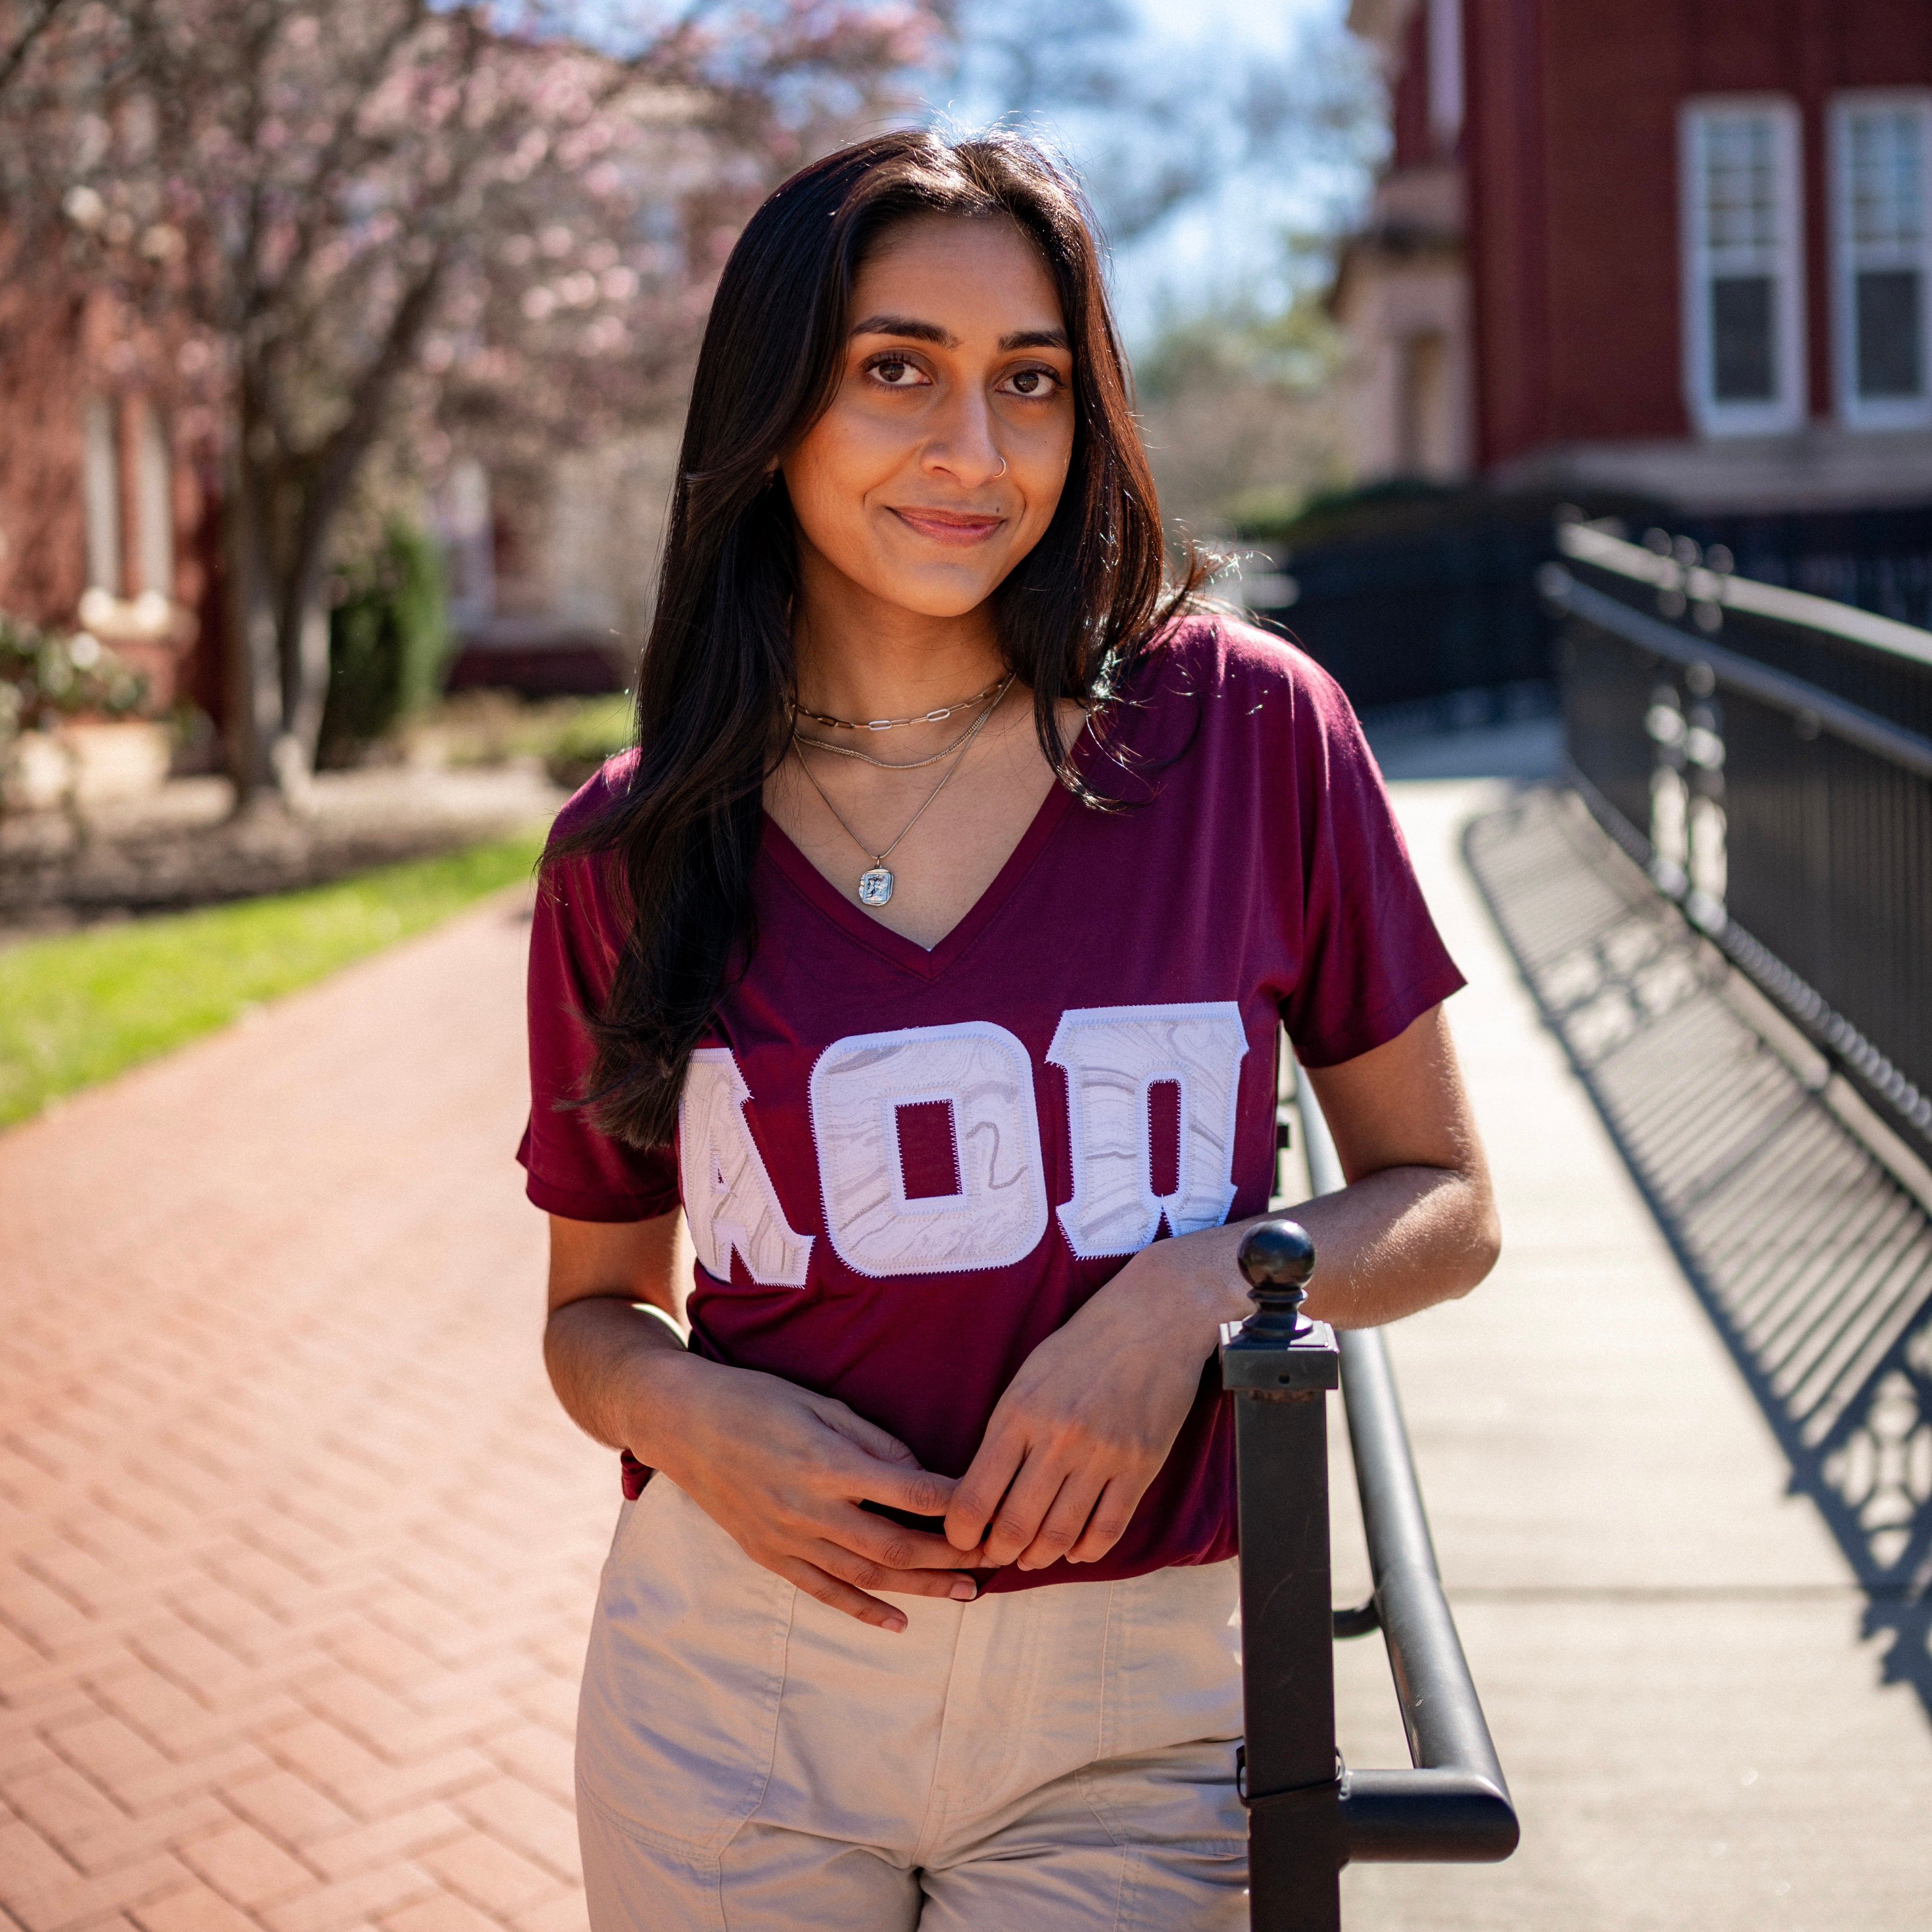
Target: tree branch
point(334, 158)
point(331, 468)
point(15, 57)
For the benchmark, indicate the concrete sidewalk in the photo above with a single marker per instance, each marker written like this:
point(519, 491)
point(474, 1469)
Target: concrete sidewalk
point(1666, 1643)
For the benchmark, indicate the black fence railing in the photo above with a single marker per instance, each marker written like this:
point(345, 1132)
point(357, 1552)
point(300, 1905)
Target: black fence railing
point(1309, 1814)
point(1437, 607)
point(1767, 755)
point(1880, 560)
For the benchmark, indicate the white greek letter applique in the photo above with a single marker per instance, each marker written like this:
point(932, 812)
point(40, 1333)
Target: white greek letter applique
point(898, 1200)
point(729, 1199)
point(1113, 1056)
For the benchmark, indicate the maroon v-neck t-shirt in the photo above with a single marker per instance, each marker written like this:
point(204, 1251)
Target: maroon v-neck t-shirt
point(904, 1169)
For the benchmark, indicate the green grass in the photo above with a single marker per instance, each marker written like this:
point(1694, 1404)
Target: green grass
point(83, 1006)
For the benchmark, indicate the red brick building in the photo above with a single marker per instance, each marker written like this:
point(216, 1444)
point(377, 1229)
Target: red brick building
point(107, 523)
point(1683, 246)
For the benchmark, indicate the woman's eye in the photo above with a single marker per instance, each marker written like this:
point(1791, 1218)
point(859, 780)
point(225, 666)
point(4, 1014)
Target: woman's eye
point(1032, 383)
point(896, 373)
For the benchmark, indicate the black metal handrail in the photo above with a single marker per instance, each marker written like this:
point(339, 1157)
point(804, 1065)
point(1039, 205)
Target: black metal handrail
point(1309, 1814)
point(1767, 755)
point(1877, 662)
point(1454, 1806)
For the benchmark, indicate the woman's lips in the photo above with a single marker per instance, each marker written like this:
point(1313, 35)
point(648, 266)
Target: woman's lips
point(949, 527)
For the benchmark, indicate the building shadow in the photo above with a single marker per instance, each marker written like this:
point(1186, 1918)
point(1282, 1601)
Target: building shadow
point(1811, 1254)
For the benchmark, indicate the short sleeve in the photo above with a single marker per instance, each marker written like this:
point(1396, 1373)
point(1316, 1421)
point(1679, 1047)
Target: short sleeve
point(1372, 962)
point(572, 1168)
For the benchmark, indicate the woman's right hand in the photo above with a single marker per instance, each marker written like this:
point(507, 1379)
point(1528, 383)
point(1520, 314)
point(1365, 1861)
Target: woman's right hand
point(784, 1471)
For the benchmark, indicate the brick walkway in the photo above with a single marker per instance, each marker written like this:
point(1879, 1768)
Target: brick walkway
point(296, 1551)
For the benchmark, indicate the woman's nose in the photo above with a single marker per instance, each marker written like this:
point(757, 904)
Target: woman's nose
point(962, 446)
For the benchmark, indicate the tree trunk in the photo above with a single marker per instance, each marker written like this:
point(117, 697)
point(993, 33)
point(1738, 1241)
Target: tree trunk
point(304, 688)
point(252, 674)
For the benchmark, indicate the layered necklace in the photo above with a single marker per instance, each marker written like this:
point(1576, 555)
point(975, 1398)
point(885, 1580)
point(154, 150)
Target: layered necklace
point(876, 882)
point(938, 717)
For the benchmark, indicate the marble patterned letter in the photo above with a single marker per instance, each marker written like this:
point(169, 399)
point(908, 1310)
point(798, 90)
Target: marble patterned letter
point(1112, 1055)
point(729, 1199)
point(984, 1075)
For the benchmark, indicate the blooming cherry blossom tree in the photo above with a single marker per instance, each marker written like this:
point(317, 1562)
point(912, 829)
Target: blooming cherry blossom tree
point(366, 216)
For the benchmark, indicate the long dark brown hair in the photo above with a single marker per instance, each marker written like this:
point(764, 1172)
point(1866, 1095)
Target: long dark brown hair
point(717, 677)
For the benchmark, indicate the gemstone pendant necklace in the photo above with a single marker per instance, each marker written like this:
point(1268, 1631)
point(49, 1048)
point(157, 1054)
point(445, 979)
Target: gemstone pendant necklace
point(876, 883)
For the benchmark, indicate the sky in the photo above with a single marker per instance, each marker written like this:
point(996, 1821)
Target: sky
point(1230, 240)
point(1227, 243)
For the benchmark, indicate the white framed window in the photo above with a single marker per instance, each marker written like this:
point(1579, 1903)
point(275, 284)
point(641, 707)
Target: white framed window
point(1881, 257)
point(100, 493)
point(153, 498)
point(1743, 235)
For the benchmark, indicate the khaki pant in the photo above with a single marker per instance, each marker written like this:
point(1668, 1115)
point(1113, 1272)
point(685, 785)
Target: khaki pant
point(1060, 1760)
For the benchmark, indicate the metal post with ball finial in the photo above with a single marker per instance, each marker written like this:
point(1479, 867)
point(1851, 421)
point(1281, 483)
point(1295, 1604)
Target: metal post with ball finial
point(1279, 1366)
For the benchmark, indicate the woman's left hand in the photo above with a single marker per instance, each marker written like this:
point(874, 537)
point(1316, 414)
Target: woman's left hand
point(1084, 1427)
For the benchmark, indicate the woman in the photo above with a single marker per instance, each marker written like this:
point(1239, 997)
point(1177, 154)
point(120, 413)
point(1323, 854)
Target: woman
point(930, 955)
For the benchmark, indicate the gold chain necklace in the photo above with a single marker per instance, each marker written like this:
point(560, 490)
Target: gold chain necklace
point(938, 717)
point(945, 751)
point(876, 883)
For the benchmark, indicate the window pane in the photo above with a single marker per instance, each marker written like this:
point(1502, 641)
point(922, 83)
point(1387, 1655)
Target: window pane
point(153, 488)
point(1890, 333)
point(100, 493)
point(1887, 198)
point(1741, 184)
point(1744, 363)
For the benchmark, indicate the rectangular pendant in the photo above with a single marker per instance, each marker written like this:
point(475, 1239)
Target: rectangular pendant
point(875, 887)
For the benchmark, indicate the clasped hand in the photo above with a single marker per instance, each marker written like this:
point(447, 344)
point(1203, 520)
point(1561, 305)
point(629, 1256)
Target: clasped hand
point(1080, 1433)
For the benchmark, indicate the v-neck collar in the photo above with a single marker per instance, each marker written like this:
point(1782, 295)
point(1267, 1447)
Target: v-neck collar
point(907, 954)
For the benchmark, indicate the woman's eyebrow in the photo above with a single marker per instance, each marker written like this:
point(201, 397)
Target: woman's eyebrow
point(913, 328)
point(907, 325)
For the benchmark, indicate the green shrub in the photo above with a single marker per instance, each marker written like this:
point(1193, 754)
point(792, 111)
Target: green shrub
point(44, 678)
point(388, 644)
point(597, 729)
point(570, 737)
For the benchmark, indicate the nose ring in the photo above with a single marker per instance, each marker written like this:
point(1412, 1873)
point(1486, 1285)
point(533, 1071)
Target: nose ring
point(1001, 471)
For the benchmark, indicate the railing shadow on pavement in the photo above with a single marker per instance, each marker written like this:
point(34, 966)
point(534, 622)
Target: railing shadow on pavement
point(1811, 1255)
